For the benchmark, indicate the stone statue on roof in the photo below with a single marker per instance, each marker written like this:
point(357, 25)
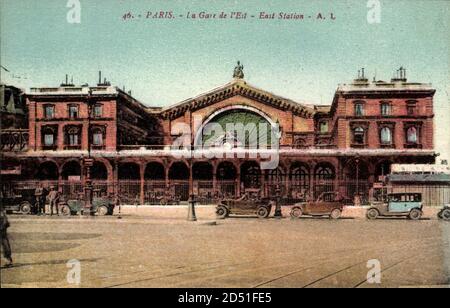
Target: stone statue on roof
point(239, 71)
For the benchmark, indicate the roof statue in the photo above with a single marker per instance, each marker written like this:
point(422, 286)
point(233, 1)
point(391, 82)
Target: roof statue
point(239, 71)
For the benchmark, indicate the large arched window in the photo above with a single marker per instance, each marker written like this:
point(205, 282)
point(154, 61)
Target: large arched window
point(300, 181)
point(324, 172)
point(238, 128)
point(324, 176)
point(300, 176)
point(251, 175)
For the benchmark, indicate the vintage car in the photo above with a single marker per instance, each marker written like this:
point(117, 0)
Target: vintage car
point(329, 204)
point(101, 206)
point(398, 205)
point(444, 214)
point(246, 205)
point(20, 200)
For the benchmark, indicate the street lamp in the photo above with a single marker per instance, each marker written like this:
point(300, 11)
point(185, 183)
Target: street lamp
point(88, 163)
point(191, 209)
point(278, 211)
point(357, 200)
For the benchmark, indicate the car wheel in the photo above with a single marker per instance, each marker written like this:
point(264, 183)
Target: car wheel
point(222, 212)
point(415, 214)
point(263, 212)
point(445, 215)
point(336, 214)
point(372, 214)
point(296, 213)
point(65, 210)
point(25, 208)
point(102, 210)
point(163, 202)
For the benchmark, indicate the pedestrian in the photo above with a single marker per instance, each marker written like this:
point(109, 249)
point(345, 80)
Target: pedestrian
point(40, 194)
point(6, 247)
point(53, 198)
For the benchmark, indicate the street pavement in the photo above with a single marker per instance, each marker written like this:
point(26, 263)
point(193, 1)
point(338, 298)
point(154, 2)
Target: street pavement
point(167, 251)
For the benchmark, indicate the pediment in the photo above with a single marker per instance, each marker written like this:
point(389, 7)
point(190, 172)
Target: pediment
point(237, 87)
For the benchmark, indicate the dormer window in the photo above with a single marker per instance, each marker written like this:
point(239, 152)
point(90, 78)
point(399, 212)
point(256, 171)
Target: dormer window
point(323, 127)
point(359, 109)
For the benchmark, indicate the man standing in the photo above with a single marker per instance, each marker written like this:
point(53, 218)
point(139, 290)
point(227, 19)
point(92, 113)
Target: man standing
point(6, 247)
point(53, 198)
point(40, 194)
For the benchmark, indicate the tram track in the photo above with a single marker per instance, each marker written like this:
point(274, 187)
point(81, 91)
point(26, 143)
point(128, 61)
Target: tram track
point(238, 270)
point(332, 274)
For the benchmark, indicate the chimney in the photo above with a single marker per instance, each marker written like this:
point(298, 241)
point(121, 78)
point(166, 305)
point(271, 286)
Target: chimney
point(105, 82)
point(400, 75)
point(66, 83)
point(362, 77)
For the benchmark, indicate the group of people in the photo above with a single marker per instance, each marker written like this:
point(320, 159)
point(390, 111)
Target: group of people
point(42, 197)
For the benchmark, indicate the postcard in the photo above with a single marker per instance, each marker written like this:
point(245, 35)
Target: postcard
point(211, 148)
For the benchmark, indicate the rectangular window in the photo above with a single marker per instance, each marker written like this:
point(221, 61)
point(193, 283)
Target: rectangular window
point(386, 136)
point(411, 108)
point(359, 110)
point(97, 139)
point(359, 136)
point(386, 109)
point(73, 139)
point(73, 112)
point(98, 111)
point(49, 140)
point(49, 112)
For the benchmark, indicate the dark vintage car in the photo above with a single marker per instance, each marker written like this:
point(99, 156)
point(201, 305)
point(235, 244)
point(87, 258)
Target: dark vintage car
point(101, 206)
point(20, 200)
point(246, 205)
point(398, 205)
point(329, 204)
point(444, 214)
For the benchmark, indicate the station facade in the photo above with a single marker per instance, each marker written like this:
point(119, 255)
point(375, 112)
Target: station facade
point(347, 146)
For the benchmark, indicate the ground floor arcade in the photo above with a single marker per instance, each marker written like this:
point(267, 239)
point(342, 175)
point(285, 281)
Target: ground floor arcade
point(142, 180)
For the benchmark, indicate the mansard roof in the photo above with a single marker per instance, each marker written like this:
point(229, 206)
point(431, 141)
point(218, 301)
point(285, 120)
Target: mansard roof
point(233, 88)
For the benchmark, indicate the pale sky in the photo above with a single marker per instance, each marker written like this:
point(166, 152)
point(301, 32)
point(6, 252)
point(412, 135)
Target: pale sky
point(166, 61)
